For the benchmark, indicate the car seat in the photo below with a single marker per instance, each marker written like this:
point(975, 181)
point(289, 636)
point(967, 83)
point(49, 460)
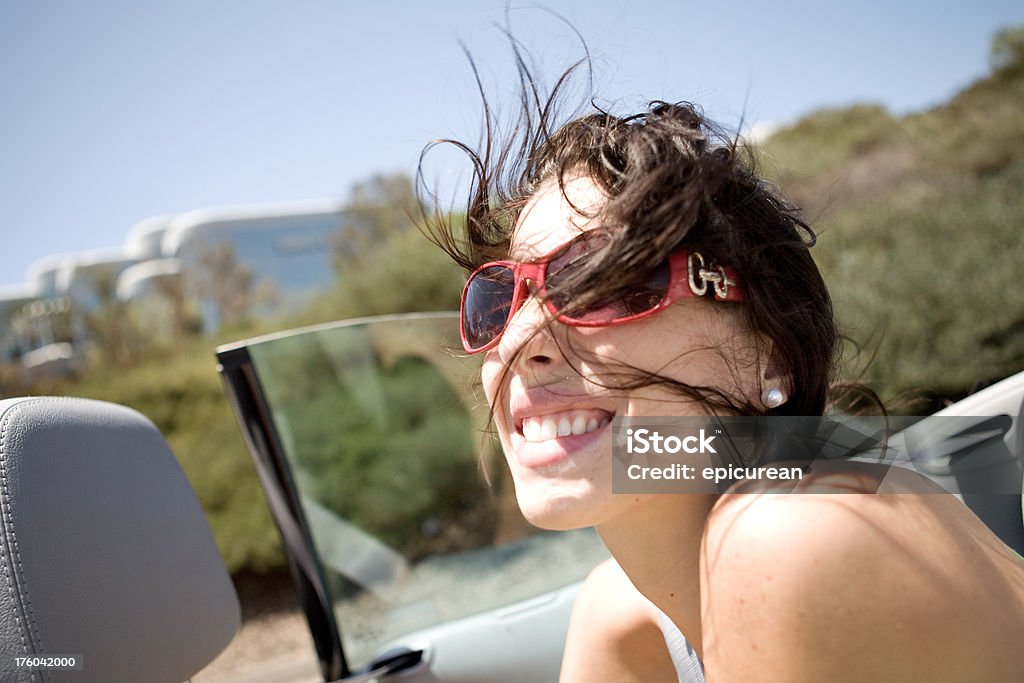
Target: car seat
point(105, 554)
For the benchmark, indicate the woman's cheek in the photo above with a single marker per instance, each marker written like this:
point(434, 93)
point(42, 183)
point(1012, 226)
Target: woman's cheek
point(490, 376)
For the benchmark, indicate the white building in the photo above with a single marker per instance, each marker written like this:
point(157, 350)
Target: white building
point(287, 249)
point(209, 264)
point(13, 298)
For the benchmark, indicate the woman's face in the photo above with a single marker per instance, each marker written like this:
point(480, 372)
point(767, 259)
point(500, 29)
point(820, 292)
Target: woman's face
point(554, 410)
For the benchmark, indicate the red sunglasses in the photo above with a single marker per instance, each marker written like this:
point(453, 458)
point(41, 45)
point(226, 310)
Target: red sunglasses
point(496, 290)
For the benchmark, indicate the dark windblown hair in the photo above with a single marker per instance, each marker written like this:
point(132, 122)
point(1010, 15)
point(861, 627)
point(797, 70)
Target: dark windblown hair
point(673, 180)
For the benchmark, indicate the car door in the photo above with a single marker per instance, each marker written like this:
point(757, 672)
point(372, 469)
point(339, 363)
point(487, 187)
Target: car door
point(395, 507)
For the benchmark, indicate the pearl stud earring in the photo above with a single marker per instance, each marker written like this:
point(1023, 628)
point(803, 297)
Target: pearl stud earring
point(773, 398)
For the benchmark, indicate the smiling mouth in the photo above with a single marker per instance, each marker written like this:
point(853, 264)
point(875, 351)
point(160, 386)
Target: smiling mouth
point(540, 428)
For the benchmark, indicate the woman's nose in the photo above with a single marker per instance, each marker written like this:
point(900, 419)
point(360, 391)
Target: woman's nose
point(528, 335)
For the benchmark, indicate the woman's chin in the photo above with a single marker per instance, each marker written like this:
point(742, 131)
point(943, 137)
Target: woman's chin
point(555, 522)
point(561, 511)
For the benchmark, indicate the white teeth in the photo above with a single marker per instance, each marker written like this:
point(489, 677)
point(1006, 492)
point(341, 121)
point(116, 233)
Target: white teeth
point(536, 429)
point(548, 430)
point(531, 430)
point(579, 424)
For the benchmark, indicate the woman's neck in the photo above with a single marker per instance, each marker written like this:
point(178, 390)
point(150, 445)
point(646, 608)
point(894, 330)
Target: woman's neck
point(658, 547)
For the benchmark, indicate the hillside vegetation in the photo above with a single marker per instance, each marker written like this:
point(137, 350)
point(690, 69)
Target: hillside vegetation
point(921, 222)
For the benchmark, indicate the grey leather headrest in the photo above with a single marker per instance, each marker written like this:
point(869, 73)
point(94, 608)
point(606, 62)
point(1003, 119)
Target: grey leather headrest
point(104, 549)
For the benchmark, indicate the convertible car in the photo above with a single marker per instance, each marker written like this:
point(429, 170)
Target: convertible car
point(409, 555)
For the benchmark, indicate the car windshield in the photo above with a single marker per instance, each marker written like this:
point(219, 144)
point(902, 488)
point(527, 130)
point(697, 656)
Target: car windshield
point(405, 493)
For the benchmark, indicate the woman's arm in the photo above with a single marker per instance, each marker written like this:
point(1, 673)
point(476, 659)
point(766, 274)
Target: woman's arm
point(614, 634)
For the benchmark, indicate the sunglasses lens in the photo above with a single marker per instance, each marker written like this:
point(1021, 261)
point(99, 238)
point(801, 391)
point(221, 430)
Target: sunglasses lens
point(486, 305)
point(632, 299)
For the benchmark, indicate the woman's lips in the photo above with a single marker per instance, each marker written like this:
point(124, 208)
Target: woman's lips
point(543, 440)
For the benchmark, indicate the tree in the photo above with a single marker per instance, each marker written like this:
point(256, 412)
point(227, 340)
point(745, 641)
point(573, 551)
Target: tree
point(182, 319)
point(225, 283)
point(1007, 50)
point(109, 325)
point(377, 209)
point(383, 263)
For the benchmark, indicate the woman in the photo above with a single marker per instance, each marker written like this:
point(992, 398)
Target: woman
point(637, 266)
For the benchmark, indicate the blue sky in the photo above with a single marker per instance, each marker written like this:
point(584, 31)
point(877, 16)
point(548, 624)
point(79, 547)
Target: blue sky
point(113, 111)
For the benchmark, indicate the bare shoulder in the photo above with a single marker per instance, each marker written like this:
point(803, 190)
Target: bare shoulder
point(614, 634)
point(852, 586)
